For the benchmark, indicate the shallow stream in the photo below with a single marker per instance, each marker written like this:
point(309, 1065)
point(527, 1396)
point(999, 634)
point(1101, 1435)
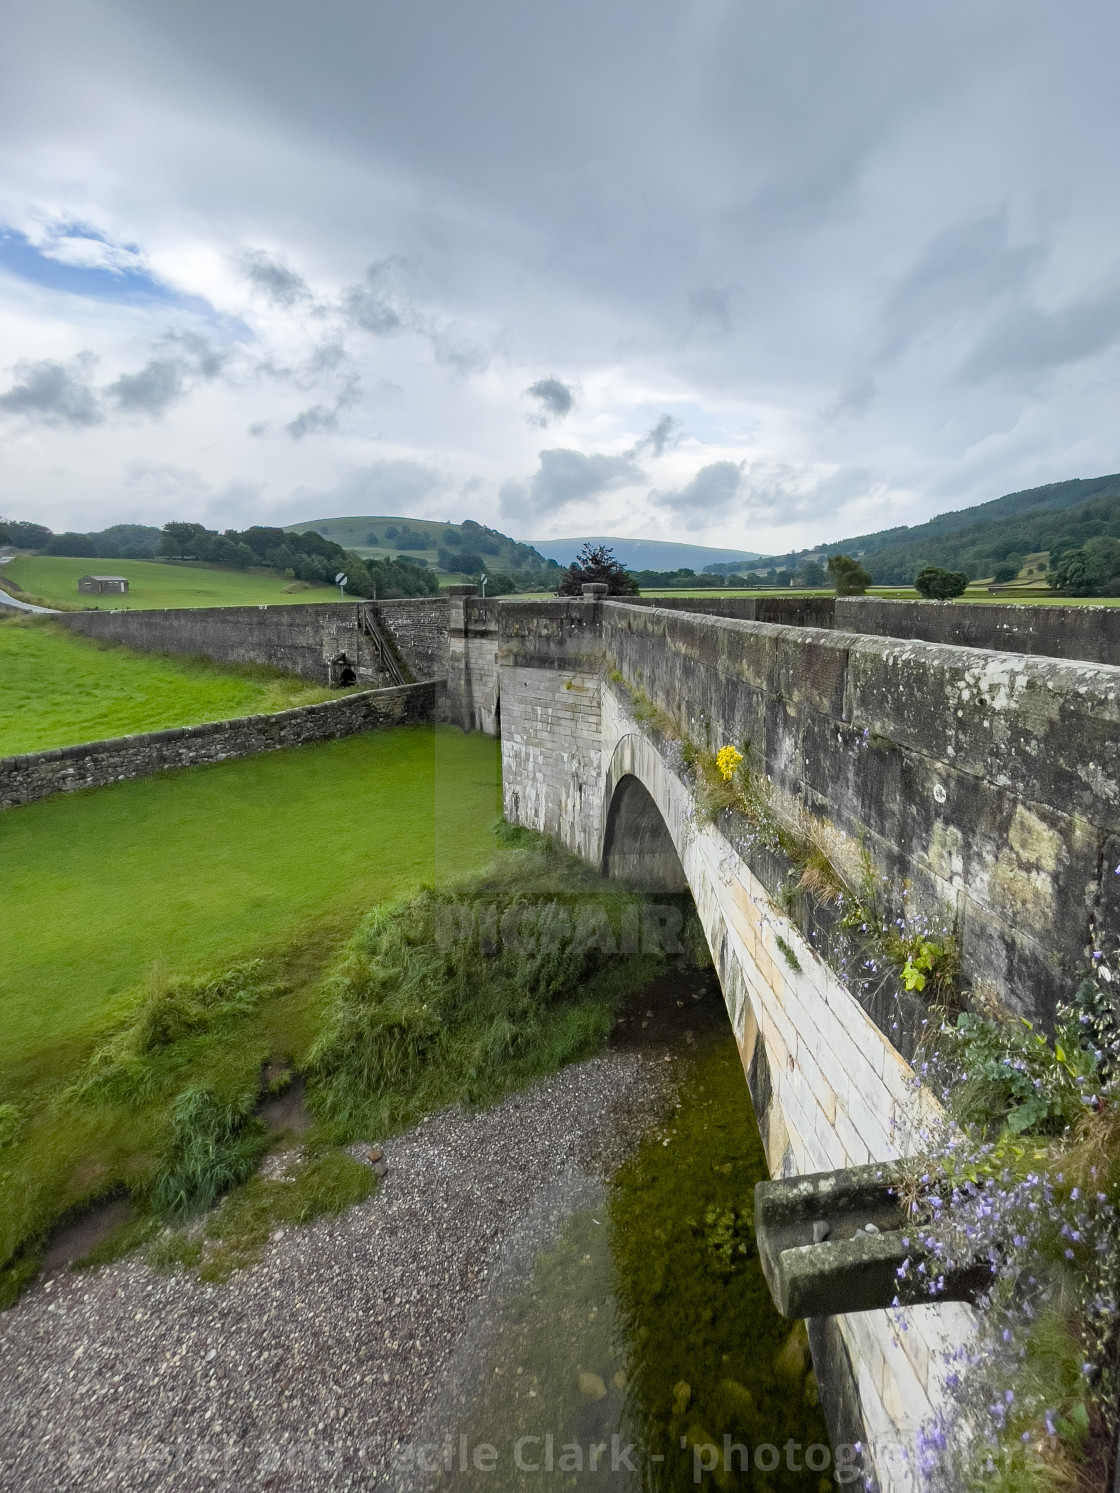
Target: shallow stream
point(644, 1352)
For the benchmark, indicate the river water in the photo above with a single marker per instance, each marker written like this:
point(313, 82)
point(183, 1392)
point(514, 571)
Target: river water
point(642, 1351)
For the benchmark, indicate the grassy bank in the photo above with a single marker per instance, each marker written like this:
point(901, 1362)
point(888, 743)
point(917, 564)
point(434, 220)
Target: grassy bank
point(58, 688)
point(193, 869)
point(456, 994)
point(151, 583)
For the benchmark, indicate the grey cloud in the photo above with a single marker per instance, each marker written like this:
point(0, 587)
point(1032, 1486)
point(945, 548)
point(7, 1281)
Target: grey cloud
point(158, 384)
point(710, 493)
point(665, 434)
point(55, 393)
point(961, 273)
point(775, 491)
point(313, 421)
point(321, 417)
point(164, 378)
point(391, 486)
point(852, 401)
point(368, 309)
point(455, 350)
point(270, 274)
point(207, 360)
point(710, 307)
point(554, 398)
point(1032, 340)
point(564, 477)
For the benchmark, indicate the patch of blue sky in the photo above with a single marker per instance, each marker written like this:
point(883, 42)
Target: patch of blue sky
point(79, 261)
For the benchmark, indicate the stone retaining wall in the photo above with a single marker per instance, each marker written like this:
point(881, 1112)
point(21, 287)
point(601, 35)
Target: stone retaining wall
point(299, 639)
point(95, 764)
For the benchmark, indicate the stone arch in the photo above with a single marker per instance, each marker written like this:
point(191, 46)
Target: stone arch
point(637, 845)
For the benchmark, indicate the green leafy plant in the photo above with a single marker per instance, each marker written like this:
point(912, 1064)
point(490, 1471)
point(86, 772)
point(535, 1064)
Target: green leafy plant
point(920, 963)
point(216, 1142)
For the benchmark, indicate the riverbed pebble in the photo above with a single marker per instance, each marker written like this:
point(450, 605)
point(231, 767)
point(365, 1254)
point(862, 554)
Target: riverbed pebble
point(305, 1371)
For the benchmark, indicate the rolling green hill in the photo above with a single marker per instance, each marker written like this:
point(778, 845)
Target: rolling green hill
point(447, 546)
point(57, 688)
point(1036, 521)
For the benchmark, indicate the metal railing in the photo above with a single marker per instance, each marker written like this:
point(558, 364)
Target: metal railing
point(386, 654)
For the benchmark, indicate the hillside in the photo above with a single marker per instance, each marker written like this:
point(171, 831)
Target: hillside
point(461, 549)
point(975, 540)
point(646, 554)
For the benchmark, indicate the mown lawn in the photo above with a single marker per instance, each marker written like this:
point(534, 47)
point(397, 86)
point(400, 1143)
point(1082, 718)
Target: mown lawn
point(194, 869)
point(152, 584)
point(57, 688)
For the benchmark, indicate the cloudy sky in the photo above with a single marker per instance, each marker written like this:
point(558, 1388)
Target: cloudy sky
point(754, 274)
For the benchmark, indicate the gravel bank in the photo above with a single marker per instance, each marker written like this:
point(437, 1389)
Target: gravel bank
point(305, 1371)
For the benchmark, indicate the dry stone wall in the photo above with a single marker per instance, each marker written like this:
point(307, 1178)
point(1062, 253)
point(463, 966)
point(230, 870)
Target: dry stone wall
point(94, 764)
point(299, 639)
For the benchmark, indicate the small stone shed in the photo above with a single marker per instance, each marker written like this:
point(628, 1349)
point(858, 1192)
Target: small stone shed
point(96, 585)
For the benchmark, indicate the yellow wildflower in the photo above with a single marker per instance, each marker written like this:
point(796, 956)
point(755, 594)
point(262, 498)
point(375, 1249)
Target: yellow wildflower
point(727, 760)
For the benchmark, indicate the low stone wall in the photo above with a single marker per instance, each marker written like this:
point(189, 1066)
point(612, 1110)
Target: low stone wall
point(97, 763)
point(299, 639)
point(1091, 634)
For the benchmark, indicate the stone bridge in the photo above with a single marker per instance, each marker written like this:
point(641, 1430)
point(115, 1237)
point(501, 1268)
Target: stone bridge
point(976, 792)
point(957, 765)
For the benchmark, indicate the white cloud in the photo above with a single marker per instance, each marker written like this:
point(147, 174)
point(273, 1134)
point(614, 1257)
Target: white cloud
point(850, 265)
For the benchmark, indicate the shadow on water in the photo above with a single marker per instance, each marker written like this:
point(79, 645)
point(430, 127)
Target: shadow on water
point(646, 1334)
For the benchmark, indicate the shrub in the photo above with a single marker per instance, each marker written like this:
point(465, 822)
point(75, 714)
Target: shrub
point(596, 562)
point(848, 575)
point(936, 584)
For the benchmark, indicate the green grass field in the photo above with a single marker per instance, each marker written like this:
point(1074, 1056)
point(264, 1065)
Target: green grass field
point(152, 584)
point(195, 868)
point(161, 899)
point(58, 688)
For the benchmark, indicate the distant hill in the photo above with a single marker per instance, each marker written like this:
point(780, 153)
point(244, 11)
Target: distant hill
point(644, 554)
point(1036, 520)
point(460, 548)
